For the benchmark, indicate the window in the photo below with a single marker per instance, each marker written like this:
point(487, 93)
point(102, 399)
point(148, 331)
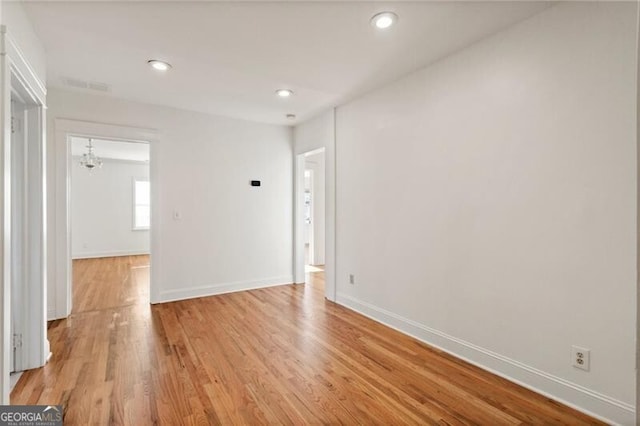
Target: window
point(141, 204)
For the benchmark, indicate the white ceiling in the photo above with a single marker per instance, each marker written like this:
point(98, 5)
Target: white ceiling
point(114, 150)
point(229, 57)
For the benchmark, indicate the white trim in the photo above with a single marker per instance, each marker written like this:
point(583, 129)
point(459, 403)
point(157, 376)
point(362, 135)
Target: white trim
point(5, 223)
point(16, 69)
point(637, 203)
point(21, 67)
point(583, 399)
point(216, 289)
point(14, 379)
point(298, 219)
point(64, 129)
point(31, 316)
point(115, 160)
point(113, 253)
point(330, 194)
point(113, 132)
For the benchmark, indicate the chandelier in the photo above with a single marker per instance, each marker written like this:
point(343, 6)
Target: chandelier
point(89, 160)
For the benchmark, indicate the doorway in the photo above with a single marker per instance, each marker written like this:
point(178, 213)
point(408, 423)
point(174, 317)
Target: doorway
point(310, 218)
point(314, 212)
point(110, 221)
point(65, 131)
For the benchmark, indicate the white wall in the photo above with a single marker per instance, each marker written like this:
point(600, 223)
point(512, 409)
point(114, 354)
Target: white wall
point(487, 203)
point(22, 34)
point(231, 236)
point(314, 133)
point(102, 210)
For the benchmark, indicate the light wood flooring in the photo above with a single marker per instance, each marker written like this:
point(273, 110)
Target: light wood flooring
point(281, 355)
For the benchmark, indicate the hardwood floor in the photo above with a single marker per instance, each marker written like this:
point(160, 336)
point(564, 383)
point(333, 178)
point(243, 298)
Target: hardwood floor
point(110, 282)
point(281, 355)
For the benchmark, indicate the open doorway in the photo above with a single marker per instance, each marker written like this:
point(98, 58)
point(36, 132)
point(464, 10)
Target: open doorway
point(110, 222)
point(65, 131)
point(314, 212)
point(310, 219)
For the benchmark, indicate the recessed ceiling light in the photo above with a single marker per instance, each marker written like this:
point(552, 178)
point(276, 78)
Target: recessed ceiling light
point(291, 116)
point(159, 65)
point(384, 20)
point(284, 93)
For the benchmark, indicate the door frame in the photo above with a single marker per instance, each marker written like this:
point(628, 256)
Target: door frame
point(637, 357)
point(64, 130)
point(298, 219)
point(16, 74)
point(28, 232)
point(311, 231)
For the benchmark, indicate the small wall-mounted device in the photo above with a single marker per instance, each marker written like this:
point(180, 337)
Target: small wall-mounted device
point(255, 183)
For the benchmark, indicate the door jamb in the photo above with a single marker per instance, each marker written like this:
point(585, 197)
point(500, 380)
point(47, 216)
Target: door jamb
point(14, 67)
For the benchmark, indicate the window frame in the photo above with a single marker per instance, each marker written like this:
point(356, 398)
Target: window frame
point(134, 204)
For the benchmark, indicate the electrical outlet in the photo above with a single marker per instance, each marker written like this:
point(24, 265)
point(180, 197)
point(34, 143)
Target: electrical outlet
point(352, 279)
point(580, 357)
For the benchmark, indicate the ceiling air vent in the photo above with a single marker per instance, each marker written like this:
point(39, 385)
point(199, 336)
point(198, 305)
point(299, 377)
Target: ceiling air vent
point(87, 85)
point(103, 87)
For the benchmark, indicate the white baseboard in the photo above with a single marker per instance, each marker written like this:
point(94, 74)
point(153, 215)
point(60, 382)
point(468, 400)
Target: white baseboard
point(586, 400)
point(47, 350)
point(13, 380)
point(115, 253)
point(52, 315)
point(215, 289)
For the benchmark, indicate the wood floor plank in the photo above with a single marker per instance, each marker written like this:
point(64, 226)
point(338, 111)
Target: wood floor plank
point(279, 355)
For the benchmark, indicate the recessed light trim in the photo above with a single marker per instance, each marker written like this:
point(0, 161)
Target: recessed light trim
point(291, 116)
point(159, 65)
point(384, 20)
point(284, 93)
